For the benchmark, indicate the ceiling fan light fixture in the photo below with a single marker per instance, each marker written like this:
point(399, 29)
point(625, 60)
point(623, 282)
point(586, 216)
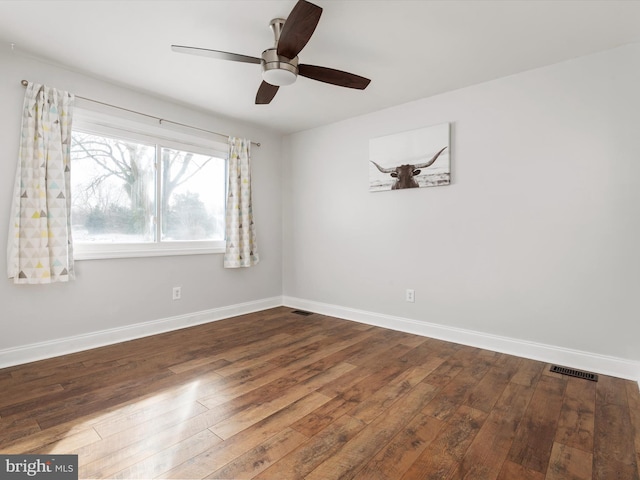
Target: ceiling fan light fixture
point(277, 70)
point(279, 77)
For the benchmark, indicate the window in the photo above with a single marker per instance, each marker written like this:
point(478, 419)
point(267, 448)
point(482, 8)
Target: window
point(141, 190)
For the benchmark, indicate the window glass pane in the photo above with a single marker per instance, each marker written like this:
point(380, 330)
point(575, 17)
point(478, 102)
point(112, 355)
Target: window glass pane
point(193, 196)
point(113, 190)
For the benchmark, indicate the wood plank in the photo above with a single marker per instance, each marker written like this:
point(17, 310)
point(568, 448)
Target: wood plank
point(577, 417)
point(513, 471)
point(60, 407)
point(11, 429)
point(314, 451)
point(614, 455)
point(209, 363)
point(247, 380)
point(194, 341)
point(403, 450)
point(166, 457)
point(342, 384)
point(568, 463)
point(384, 397)
point(232, 425)
point(37, 373)
point(71, 434)
point(441, 348)
point(354, 454)
point(316, 337)
point(68, 443)
point(485, 394)
point(346, 400)
point(611, 391)
point(164, 413)
point(377, 347)
point(178, 403)
point(243, 382)
point(441, 457)
point(534, 438)
point(26, 392)
point(529, 372)
point(633, 399)
point(243, 358)
point(490, 447)
point(331, 351)
point(217, 457)
point(450, 368)
point(328, 413)
point(123, 449)
point(260, 457)
point(457, 391)
point(413, 341)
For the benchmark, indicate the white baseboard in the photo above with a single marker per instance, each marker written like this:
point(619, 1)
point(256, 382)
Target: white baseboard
point(605, 365)
point(63, 346)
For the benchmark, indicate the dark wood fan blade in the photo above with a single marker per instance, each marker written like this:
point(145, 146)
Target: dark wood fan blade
point(298, 28)
point(335, 77)
point(205, 52)
point(266, 92)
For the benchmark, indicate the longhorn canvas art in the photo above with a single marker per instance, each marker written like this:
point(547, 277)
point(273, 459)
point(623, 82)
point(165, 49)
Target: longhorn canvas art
point(418, 158)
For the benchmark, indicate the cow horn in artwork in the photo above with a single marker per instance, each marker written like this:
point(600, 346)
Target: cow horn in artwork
point(430, 162)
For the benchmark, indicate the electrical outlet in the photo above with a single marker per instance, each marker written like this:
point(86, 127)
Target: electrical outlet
point(177, 293)
point(410, 295)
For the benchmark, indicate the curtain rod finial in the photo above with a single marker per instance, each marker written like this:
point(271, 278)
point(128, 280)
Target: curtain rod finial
point(24, 83)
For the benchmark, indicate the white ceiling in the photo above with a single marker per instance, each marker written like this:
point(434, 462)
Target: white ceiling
point(410, 49)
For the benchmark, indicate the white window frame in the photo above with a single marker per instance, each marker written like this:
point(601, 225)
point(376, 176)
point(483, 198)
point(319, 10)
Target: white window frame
point(162, 136)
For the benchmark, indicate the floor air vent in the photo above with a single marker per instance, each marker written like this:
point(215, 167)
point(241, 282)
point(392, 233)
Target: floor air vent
point(575, 373)
point(302, 312)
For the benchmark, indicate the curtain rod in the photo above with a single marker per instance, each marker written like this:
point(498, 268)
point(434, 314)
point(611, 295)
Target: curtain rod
point(160, 120)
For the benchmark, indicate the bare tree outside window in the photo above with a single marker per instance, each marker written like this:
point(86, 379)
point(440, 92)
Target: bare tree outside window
point(115, 195)
point(193, 198)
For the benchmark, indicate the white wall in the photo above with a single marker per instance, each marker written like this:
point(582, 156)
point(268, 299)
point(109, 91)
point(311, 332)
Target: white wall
point(115, 294)
point(537, 237)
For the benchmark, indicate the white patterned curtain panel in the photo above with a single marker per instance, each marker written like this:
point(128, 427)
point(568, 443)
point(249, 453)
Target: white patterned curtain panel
point(39, 247)
point(241, 248)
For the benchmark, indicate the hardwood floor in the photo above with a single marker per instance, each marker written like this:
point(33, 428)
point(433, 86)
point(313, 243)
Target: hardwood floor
point(275, 395)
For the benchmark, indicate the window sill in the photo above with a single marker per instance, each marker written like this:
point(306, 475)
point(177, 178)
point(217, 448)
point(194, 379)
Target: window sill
point(103, 252)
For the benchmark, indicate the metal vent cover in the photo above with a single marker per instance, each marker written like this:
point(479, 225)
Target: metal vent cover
point(302, 312)
point(572, 372)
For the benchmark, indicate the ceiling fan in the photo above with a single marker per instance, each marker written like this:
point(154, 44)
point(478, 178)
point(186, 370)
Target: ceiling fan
point(280, 63)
